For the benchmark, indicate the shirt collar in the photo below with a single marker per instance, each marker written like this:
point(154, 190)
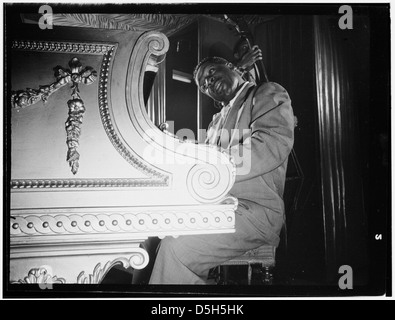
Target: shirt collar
point(231, 102)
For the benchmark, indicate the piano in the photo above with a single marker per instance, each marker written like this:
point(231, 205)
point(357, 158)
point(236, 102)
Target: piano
point(91, 177)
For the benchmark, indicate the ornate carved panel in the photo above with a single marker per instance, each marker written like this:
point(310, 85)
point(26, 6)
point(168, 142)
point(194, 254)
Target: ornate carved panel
point(191, 173)
point(25, 98)
point(132, 180)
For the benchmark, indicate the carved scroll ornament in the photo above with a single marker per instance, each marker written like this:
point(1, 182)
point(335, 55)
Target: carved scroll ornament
point(24, 98)
point(138, 260)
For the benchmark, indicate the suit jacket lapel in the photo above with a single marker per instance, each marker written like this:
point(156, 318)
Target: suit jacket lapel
point(230, 121)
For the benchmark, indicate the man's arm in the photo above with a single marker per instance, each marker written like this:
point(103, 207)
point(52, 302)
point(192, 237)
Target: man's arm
point(272, 134)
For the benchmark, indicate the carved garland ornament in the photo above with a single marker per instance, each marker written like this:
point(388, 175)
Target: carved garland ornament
point(30, 96)
point(75, 75)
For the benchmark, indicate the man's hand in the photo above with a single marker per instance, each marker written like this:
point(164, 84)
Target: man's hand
point(250, 58)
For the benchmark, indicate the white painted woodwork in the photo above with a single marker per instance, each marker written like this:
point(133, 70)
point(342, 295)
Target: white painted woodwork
point(67, 228)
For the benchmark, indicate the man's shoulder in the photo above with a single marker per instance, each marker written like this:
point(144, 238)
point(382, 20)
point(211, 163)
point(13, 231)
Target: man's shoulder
point(273, 92)
point(270, 96)
point(268, 88)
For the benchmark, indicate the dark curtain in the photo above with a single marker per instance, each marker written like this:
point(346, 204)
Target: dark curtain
point(326, 72)
point(340, 160)
point(288, 53)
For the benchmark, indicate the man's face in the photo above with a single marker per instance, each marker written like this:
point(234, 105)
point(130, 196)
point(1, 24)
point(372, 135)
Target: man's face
point(241, 50)
point(217, 81)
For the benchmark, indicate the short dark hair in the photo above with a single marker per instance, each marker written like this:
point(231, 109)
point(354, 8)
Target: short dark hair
point(218, 60)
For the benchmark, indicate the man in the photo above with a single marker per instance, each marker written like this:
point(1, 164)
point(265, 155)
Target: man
point(246, 60)
point(264, 117)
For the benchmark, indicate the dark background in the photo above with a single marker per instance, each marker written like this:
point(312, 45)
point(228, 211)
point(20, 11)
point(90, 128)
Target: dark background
point(287, 42)
point(309, 254)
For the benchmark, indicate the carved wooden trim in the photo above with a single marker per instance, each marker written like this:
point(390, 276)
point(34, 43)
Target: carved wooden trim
point(213, 174)
point(202, 181)
point(43, 277)
point(25, 98)
point(62, 46)
point(82, 183)
point(191, 218)
point(157, 45)
point(40, 276)
point(138, 260)
point(75, 75)
point(156, 177)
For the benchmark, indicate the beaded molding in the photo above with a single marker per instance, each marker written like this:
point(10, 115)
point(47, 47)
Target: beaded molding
point(62, 47)
point(122, 222)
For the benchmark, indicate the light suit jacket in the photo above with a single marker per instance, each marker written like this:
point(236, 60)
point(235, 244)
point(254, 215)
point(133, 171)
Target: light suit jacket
point(258, 132)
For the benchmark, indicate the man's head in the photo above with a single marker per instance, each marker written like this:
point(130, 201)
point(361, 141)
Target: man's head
point(241, 48)
point(218, 78)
